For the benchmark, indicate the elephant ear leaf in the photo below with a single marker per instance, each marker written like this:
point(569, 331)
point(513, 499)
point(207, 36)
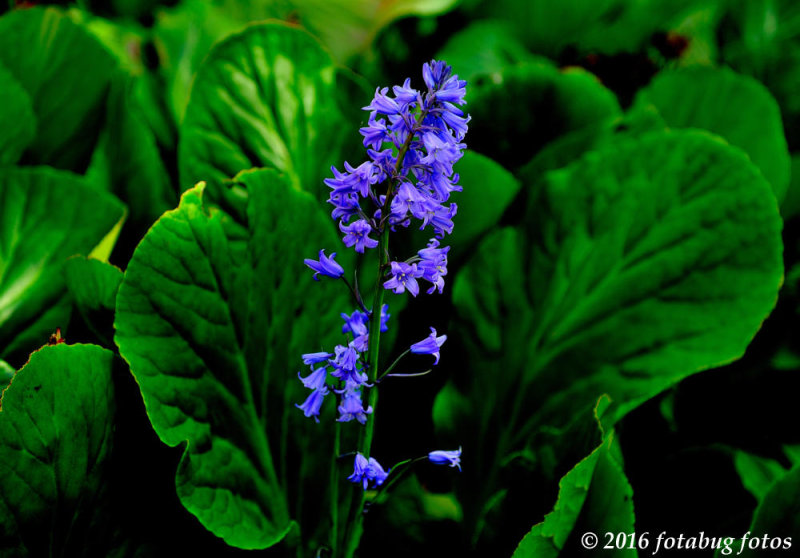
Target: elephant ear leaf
point(56, 425)
point(265, 97)
point(212, 317)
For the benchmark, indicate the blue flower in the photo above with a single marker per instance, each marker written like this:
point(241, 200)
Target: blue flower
point(356, 234)
point(404, 276)
point(316, 358)
point(315, 380)
point(452, 458)
point(367, 472)
point(345, 364)
point(385, 317)
point(433, 263)
point(430, 345)
point(352, 407)
point(313, 403)
point(355, 324)
point(326, 266)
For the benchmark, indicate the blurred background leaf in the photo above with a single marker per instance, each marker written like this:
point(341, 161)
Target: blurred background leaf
point(46, 216)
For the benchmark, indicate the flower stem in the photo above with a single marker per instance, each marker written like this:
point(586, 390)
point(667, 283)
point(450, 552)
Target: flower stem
point(356, 527)
point(334, 487)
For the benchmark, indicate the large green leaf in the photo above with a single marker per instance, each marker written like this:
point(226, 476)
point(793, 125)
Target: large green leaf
point(186, 32)
point(17, 117)
point(708, 98)
point(594, 497)
point(46, 216)
point(639, 264)
point(136, 172)
point(518, 110)
point(212, 318)
point(264, 97)
point(66, 72)
point(56, 423)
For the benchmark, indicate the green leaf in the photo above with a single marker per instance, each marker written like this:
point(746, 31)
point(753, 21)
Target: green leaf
point(6, 373)
point(638, 265)
point(93, 285)
point(55, 437)
point(706, 98)
point(594, 496)
point(607, 26)
point(573, 145)
point(778, 514)
point(758, 474)
point(644, 263)
point(790, 206)
point(483, 48)
point(264, 97)
point(521, 108)
point(136, 172)
point(212, 318)
point(16, 114)
point(66, 73)
point(46, 216)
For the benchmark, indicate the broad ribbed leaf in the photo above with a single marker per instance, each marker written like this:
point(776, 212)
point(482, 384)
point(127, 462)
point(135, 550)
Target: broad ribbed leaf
point(56, 423)
point(212, 318)
point(16, 114)
point(641, 263)
point(46, 216)
point(264, 97)
point(736, 107)
point(66, 72)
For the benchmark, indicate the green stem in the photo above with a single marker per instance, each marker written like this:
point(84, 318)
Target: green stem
point(397, 360)
point(356, 516)
point(334, 488)
point(365, 446)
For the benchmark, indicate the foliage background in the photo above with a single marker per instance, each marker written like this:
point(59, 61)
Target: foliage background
point(579, 143)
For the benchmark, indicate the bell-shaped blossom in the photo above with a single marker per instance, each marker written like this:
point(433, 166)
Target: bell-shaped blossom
point(356, 234)
point(352, 407)
point(316, 380)
point(451, 458)
point(313, 403)
point(367, 472)
point(326, 266)
point(404, 277)
point(430, 345)
point(433, 264)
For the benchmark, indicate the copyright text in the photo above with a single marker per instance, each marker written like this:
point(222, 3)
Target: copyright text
point(652, 543)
